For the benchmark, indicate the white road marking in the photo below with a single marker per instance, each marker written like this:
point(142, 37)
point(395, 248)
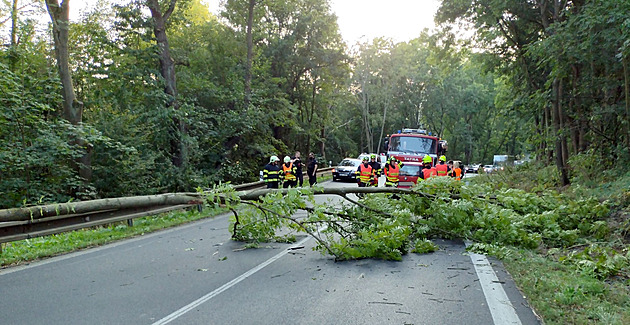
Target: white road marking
point(226, 286)
point(501, 308)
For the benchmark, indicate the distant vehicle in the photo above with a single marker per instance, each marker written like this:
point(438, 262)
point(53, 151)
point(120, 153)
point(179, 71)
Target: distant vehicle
point(472, 168)
point(488, 169)
point(346, 170)
point(408, 175)
point(503, 160)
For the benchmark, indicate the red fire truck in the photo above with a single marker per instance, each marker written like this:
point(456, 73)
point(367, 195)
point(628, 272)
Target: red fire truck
point(410, 146)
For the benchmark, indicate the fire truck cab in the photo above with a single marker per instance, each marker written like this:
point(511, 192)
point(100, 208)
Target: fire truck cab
point(411, 146)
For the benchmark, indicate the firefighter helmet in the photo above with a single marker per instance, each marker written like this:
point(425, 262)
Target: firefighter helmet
point(442, 158)
point(427, 159)
point(287, 159)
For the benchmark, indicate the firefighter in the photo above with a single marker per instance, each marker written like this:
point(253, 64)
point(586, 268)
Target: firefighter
point(457, 171)
point(391, 172)
point(365, 173)
point(271, 173)
point(288, 173)
point(376, 167)
point(441, 167)
point(427, 170)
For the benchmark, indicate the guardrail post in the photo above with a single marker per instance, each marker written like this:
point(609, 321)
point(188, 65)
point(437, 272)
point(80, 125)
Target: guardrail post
point(130, 222)
point(1, 244)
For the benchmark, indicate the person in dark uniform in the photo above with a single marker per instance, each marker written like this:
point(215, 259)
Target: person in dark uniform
point(311, 169)
point(297, 162)
point(271, 173)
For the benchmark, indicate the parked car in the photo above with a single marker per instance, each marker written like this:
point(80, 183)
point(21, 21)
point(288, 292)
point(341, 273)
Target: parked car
point(473, 168)
point(488, 169)
point(346, 169)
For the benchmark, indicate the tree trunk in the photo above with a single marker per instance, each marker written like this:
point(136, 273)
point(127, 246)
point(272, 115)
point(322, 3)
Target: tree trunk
point(250, 51)
point(560, 138)
point(167, 70)
point(72, 108)
point(626, 76)
point(14, 23)
point(322, 144)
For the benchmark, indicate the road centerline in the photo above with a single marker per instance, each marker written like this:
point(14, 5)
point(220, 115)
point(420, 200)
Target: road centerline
point(180, 312)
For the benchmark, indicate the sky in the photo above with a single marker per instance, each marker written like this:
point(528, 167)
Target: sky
point(363, 20)
point(401, 20)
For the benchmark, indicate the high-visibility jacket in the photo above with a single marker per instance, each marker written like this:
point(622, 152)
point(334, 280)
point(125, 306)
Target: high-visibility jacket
point(442, 169)
point(429, 172)
point(365, 173)
point(289, 172)
point(458, 173)
point(271, 173)
point(391, 173)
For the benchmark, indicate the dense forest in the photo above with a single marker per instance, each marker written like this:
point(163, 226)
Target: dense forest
point(152, 96)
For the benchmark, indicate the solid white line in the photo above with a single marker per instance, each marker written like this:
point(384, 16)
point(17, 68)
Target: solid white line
point(502, 310)
point(224, 287)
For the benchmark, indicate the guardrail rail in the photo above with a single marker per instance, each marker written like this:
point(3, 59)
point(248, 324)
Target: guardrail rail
point(30, 222)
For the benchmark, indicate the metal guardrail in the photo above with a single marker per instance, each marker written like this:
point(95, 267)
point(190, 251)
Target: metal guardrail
point(53, 223)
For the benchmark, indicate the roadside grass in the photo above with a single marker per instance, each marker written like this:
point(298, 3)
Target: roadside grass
point(561, 295)
point(585, 284)
point(22, 251)
point(18, 252)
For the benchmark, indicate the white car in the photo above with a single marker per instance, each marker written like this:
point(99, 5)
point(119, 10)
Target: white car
point(488, 169)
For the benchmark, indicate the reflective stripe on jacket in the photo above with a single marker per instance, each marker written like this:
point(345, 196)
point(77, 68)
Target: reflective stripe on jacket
point(289, 172)
point(429, 172)
point(442, 169)
point(271, 173)
point(365, 173)
point(391, 172)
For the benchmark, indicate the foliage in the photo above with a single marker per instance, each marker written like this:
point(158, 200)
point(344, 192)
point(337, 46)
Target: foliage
point(560, 295)
point(382, 227)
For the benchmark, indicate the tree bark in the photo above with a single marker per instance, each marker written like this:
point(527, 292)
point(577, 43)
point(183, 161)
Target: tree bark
point(250, 51)
point(72, 108)
point(167, 70)
point(14, 23)
point(561, 150)
point(43, 211)
point(626, 76)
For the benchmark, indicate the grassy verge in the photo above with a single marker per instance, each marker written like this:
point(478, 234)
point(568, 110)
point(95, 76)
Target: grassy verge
point(561, 295)
point(18, 252)
point(583, 284)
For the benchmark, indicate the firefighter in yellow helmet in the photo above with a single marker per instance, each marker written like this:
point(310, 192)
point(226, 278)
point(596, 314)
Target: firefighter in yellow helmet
point(391, 172)
point(442, 168)
point(427, 170)
point(365, 173)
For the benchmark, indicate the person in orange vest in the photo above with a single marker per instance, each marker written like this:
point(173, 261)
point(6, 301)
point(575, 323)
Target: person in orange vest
point(365, 173)
point(376, 167)
point(288, 173)
point(391, 172)
point(427, 170)
point(457, 171)
point(441, 167)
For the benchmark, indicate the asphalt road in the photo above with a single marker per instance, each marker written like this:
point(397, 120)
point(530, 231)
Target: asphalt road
point(195, 274)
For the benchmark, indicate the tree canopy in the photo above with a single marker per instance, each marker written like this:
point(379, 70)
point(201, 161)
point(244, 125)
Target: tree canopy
point(543, 78)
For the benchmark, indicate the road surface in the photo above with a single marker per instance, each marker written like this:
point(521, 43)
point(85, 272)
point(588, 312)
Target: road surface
point(195, 274)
